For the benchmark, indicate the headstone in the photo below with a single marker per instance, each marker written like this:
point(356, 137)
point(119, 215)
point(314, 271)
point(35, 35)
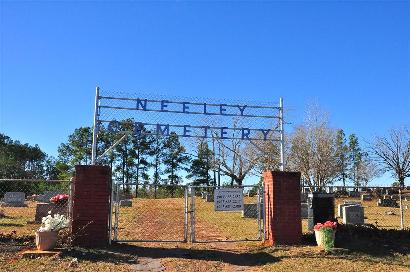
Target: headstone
point(395, 197)
point(304, 210)
point(322, 206)
point(209, 198)
point(303, 197)
point(126, 203)
point(203, 195)
point(45, 198)
point(387, 203)
point(14, 199)
point(251, 210)
point(366, 197)
point(353, 214)
point(42, 210)
point(347, 203)
point(354, 194)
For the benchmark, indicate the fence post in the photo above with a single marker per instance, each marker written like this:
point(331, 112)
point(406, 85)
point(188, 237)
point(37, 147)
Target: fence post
point(401, 211)
point(192, 211)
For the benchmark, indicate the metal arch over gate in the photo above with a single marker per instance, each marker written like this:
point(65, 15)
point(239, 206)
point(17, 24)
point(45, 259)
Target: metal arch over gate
point(112, 107)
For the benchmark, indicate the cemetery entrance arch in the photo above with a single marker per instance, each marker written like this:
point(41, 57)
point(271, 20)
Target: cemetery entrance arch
point(235, 135)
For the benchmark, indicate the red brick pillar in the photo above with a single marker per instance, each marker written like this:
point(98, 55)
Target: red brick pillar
point(282, 207)
point(90, 205)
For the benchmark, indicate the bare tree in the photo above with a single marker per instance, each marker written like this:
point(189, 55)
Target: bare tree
point(313, 150)
point(393, 153)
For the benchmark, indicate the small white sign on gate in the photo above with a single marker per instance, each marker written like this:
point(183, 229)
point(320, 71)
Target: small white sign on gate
point(228, 199)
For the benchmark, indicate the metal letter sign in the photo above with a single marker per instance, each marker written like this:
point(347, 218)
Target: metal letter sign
point(228, 199)
point(206, 120)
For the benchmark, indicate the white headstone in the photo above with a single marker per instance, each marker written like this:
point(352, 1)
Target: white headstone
point(353, 214)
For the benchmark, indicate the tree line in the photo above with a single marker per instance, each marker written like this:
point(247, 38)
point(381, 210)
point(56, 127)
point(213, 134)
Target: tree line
point(324, 155)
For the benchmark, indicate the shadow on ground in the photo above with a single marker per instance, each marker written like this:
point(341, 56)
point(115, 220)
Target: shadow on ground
point(126, 253)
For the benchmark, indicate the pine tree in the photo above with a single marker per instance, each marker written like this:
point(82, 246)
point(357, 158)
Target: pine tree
point(174, 159)
point(201, 165)
point(342, 156)
point(355, 159)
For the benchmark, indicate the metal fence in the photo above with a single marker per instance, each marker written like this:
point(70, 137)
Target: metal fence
point(23, 203)
point(177, 213)
point(211, 225)
point(147, 212)
point(383, 207)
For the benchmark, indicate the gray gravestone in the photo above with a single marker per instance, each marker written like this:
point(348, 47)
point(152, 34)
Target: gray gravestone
point(353, 214)
point(45, 198)
point(14, 199)
point(125, 203)
point(354, 194)
point(304, 210)
point(346, 203)
point(367, 197)
point(387, 203)
point(42, 210)
point(251, 210)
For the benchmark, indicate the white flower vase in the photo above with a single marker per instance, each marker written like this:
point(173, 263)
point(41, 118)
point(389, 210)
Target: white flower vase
point(320, 237)
point(46, 240)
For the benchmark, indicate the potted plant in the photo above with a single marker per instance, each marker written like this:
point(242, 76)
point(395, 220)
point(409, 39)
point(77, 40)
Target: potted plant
point(46, 236)
point(325, 234)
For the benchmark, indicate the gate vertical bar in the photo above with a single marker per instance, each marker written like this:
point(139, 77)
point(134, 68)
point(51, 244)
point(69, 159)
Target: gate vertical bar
point(186, 215)
point(117, 204)
point(95, 128)
point(111, 212)
point(264, 211)
point(259, 213)
point(282, 136)
point(192, 211)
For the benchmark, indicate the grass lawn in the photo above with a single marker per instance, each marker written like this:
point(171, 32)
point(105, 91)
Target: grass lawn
point(359, 249)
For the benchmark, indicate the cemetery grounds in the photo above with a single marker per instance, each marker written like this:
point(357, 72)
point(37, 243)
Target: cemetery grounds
point(365, 248)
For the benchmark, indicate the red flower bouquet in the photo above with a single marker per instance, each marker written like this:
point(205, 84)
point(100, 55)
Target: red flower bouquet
point(60, 199)
point(327, 224)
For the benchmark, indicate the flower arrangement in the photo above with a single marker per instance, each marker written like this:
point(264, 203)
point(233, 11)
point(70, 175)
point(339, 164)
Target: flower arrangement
point(327, 224)
point(325, 234)
point(59, 199)
point(53, 223)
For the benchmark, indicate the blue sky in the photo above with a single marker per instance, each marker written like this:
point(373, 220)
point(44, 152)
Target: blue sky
point(353, 58)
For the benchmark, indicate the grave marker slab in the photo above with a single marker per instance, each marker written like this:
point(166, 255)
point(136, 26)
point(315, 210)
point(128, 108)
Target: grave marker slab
point(353, 214)
point(346, 203)
point(14, 199)
point(125, 203)
point(367, 197)
point(304, 210)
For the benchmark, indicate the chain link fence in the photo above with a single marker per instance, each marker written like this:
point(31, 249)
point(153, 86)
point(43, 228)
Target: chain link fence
point(212, 225)
point(148, 212)
point(23, 204)
point(383, 207)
